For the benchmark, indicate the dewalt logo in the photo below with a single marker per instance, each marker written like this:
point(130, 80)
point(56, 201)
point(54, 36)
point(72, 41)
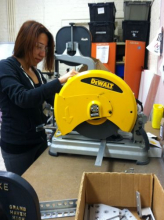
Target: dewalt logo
point(102, 83)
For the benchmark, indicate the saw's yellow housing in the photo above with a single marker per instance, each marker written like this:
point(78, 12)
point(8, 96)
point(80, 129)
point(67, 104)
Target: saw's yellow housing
point(95, 96)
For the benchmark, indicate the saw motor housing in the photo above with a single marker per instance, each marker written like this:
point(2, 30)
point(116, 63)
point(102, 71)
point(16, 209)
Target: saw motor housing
point(95, 97)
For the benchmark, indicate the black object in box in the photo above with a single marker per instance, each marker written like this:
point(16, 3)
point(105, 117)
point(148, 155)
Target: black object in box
point(102, 11)
point(135, 30)
point(102, 31)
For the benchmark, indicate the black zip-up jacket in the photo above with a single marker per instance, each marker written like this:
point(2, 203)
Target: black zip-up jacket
point(21, 103)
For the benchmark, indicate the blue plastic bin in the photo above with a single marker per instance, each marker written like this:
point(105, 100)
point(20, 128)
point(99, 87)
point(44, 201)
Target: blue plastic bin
point(120, 70)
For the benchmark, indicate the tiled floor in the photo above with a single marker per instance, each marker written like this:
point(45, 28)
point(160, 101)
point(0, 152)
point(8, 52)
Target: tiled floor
point(2, 166)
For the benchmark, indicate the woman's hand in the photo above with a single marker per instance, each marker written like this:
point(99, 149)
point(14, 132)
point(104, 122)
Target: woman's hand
point(66, 76)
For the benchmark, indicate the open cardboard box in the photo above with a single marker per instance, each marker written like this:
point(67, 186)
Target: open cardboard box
point(119, 190)
point(98, 66)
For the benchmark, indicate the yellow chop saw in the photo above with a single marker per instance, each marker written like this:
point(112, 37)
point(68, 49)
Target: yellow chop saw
point(96, 114)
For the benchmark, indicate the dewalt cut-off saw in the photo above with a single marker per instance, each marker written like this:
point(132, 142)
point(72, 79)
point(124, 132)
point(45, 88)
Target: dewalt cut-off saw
point(96, 114)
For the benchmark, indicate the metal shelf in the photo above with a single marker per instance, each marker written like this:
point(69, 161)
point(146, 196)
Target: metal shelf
point(120, 62)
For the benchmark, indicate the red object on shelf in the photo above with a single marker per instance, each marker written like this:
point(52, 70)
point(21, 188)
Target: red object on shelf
point(134, 64)
point(134, 61)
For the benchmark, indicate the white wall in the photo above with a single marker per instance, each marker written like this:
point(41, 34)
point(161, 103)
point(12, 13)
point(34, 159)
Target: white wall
point(154, 62)
point(155, 25)
point(159, 96)
point(57, 13)
point(3, 21)
point(52, 13)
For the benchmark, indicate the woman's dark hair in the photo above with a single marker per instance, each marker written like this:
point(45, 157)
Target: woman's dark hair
point(26, 41)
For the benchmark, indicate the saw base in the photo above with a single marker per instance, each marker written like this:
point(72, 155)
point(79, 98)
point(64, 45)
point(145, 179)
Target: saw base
point(78, 144)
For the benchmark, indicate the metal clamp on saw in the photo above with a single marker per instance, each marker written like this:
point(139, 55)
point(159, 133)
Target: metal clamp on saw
point(92, 108)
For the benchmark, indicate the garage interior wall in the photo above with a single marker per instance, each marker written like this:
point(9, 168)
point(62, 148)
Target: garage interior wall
point(55, 14)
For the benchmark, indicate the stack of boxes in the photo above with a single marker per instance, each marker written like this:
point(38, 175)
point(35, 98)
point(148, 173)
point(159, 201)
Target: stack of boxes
point(136, 20)
point(102, 18)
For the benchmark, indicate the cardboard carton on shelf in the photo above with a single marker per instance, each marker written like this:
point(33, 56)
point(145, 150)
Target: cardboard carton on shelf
point(119, 190)
point(98, 66)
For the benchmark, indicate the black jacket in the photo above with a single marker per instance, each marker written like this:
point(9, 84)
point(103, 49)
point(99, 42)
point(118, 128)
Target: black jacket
point(21, 103)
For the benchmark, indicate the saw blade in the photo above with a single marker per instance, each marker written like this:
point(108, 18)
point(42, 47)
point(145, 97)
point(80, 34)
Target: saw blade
point(101, 131)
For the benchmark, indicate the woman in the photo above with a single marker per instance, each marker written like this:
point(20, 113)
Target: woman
point(23, 90)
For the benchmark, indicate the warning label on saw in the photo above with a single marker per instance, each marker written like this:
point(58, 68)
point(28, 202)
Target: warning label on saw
point(103, 83)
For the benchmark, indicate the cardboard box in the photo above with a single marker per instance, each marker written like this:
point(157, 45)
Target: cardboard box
point(99, 66)
point(119, 190)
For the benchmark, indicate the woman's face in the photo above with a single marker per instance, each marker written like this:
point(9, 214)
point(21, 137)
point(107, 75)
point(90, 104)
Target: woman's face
point(40, 49)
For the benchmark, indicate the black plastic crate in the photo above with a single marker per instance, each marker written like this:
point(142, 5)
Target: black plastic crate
point(137, 10)
point(102, 11)
point(135, 30)
point(102, 31)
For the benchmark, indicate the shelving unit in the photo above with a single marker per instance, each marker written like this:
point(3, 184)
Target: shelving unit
point(120, 52)
point(120, 59)
point(126, 59)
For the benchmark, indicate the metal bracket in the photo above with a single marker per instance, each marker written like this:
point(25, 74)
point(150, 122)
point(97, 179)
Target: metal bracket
point(145, 212)
point(100, 154)
point(105, 212)
point(58, 209)
point(101, 212)
point(127, 215)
